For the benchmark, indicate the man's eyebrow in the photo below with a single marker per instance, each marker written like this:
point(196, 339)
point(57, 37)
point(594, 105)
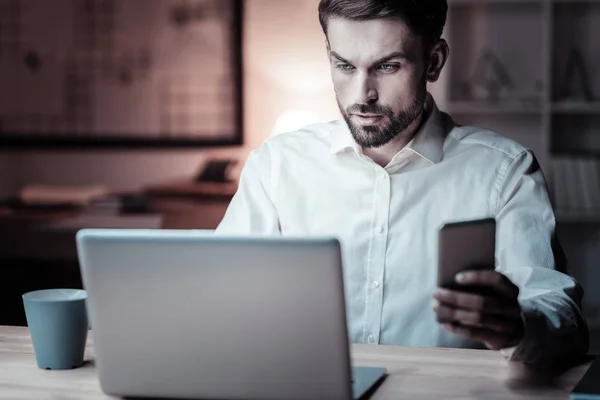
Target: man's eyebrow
point(340, 58)
point(397, 54)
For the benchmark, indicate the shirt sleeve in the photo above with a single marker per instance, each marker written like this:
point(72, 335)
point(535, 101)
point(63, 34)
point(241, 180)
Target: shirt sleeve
point(251, 210)
point(530, 255)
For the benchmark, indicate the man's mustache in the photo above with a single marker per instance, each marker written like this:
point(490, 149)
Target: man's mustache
point(369, 109)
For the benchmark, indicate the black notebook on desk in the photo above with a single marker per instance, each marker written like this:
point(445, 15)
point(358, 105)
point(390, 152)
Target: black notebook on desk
point(588, 387)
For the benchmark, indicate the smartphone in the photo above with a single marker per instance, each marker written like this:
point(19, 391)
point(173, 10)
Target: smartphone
point(468, 245)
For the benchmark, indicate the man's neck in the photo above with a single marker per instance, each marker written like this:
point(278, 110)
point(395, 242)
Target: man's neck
point(384, 155)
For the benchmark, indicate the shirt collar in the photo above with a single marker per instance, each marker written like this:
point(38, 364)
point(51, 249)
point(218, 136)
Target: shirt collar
point(341, 139)
point(427, 143)
point(429, 140)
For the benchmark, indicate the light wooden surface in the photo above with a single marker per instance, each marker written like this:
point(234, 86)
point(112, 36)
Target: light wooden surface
point(414, 373)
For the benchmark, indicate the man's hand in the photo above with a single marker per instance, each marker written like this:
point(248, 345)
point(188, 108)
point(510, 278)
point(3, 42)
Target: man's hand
point(492, 319)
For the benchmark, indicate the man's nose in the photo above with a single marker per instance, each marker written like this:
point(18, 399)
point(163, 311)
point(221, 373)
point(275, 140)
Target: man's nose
point(366, 90)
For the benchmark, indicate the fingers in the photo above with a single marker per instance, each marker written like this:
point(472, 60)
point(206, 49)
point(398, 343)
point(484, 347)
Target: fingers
point(494, 320)
point(474, 319)
point(478, 303)
point(493, 340)
point(489, 278)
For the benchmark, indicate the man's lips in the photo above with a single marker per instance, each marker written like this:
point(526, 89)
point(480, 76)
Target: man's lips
point(367, 119)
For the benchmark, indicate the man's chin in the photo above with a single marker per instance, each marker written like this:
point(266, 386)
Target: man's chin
point(370, 140)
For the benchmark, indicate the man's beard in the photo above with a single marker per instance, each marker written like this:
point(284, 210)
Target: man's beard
point(375, 136)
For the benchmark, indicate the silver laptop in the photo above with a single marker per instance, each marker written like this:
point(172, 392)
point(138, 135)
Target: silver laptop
point(185, 314)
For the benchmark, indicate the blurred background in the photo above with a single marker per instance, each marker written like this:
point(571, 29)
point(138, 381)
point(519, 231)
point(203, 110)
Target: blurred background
point(141, 113)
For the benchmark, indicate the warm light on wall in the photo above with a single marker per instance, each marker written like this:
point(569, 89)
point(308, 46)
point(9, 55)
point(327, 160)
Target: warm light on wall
point(292, 120)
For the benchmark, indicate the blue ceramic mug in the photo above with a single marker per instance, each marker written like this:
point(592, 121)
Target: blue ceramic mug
point(58, 325)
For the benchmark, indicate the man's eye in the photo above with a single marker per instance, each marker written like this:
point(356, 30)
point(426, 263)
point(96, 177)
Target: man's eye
point(345, 67)
point(388, 67)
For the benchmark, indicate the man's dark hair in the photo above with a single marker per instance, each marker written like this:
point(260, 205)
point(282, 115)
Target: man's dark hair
point(426, 18)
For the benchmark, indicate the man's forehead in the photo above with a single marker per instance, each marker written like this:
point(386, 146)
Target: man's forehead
point(371, 40)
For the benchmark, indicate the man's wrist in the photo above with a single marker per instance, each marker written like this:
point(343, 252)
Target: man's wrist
point(514, 350)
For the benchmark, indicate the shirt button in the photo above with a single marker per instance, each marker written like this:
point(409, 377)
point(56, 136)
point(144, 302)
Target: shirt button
point(371, 338)
point(379, 229)
point(375, 284)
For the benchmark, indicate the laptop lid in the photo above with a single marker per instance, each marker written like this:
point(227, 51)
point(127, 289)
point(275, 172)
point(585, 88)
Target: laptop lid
point(187, 314)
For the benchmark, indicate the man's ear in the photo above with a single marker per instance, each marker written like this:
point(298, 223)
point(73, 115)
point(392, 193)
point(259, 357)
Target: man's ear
point(328, 48)
point(437, 59)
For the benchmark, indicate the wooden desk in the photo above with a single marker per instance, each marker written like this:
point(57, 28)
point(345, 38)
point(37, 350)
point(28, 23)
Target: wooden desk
point(414, 373)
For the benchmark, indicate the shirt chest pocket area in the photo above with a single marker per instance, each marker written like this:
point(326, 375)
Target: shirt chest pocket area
point(323, 209)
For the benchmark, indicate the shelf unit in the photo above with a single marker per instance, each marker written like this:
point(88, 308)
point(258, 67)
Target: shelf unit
point(531, 41)
point(526, 46)
point(579, 107)
point(503, 108)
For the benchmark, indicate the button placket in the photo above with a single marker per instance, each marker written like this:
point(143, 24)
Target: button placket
point(378, 254)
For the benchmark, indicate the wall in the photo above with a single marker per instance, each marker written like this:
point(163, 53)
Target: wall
point(286, 64)
point(285, 68)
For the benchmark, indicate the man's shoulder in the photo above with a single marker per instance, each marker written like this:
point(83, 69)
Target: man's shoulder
point(485, 141)
point(311, 138)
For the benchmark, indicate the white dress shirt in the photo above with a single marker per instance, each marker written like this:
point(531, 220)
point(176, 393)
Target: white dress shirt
point(316, 182)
